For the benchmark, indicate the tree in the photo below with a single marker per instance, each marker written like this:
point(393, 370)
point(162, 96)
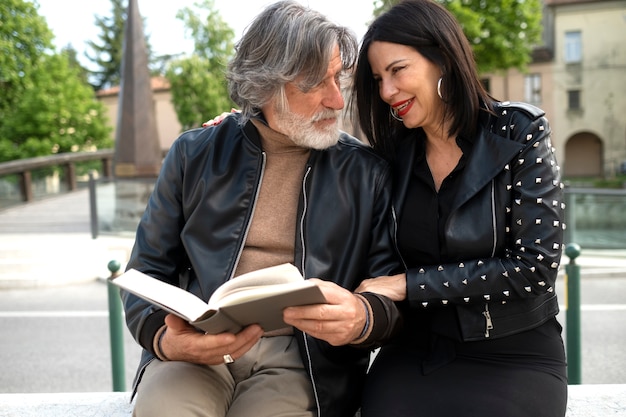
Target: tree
point(198, 84)
point(46, 106)
point(502, 32)
point(57, 113)
point(381, 5)
point(24, 37)
point(72, 56)
point(108, 54)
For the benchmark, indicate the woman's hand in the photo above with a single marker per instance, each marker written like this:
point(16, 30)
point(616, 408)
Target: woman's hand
point(393, 286)
point(218, 119)
point(183, 342)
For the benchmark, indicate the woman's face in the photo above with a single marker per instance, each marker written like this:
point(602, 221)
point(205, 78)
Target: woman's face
point(408, 83)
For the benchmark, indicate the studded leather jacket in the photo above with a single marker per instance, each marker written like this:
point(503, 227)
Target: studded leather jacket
point(504, 232)
point(194, 229)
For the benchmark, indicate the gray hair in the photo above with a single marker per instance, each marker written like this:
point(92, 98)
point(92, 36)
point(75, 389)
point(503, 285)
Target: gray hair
point(284, 42)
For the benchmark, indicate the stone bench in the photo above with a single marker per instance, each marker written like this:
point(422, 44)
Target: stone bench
point(75, 404)
point(591, 400)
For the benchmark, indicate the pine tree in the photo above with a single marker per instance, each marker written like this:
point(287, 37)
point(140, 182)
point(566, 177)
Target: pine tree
point(108, 52)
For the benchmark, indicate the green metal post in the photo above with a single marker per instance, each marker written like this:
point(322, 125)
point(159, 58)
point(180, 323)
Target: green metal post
point(116, 330)
point(572, 302)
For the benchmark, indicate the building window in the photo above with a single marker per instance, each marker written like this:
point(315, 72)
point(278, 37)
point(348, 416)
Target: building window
point(573, 100)
point(532, 89)
point(573, 47)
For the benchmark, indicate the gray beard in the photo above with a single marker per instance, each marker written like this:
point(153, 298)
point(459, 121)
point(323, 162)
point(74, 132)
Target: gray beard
point(303, 132)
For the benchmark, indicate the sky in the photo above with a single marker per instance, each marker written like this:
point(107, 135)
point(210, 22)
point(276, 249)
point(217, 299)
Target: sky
point(72, 21)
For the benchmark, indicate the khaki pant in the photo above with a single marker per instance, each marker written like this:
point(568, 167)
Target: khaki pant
point(268, 381)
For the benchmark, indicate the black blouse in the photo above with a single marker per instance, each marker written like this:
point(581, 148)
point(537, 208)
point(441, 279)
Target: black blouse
point(425, 211)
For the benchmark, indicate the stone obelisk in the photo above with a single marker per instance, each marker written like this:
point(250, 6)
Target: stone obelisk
point(137, 156)
point(137, 146)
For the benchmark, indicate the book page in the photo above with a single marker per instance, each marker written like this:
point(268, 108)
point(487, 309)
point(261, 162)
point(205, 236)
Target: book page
point(279, 274)
point(169, 297)
point(244, 294)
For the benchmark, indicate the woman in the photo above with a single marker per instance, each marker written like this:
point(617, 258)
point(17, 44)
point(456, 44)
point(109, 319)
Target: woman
point(478, 204)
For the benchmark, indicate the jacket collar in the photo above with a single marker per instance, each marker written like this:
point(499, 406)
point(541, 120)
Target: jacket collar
point(490, 155)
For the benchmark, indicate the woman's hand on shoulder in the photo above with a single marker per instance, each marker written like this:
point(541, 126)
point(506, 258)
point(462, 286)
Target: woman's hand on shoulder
point(218, 119)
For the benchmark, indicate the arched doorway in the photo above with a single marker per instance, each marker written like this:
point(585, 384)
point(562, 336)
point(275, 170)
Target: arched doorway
point(583, 156)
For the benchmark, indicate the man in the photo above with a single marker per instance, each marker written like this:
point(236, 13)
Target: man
point(275, 183)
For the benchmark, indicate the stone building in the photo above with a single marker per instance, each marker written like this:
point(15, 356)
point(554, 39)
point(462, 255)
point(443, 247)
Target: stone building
point(578, 76)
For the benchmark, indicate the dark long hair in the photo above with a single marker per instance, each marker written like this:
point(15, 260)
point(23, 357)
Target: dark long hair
point(434, 32)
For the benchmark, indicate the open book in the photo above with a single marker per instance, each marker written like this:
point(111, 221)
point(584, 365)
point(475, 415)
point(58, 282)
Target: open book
point(256, 297)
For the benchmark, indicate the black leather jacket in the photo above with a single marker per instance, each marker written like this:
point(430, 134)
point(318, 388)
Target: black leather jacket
point(504, 233)
point(195, 224)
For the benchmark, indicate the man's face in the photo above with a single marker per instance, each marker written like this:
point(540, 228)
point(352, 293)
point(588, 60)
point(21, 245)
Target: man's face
point(311, 120)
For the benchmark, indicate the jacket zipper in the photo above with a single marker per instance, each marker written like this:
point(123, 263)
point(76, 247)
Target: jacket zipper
point(395, 236)
point(305, 206)
point(248, 220)
point(493, 219)
point(488, 322)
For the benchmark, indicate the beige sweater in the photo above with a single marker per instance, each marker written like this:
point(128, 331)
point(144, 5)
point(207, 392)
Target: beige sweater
point(271, 237)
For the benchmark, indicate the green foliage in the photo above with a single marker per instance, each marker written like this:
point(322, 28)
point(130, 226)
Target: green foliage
point(381, 5)
point(72, 56)
point(54, 116)
point(198, 91)
point(24, 37)
point(198, 83)
point(46, 106)
point(502, 32)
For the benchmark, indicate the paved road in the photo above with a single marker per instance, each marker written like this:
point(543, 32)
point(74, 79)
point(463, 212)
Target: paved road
point(56, 339)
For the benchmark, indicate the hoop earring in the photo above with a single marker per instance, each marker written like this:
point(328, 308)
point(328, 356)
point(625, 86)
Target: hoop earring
point(393, 114)
point(439, 88)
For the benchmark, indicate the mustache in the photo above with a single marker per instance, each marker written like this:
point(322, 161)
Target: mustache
point(326, 114)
